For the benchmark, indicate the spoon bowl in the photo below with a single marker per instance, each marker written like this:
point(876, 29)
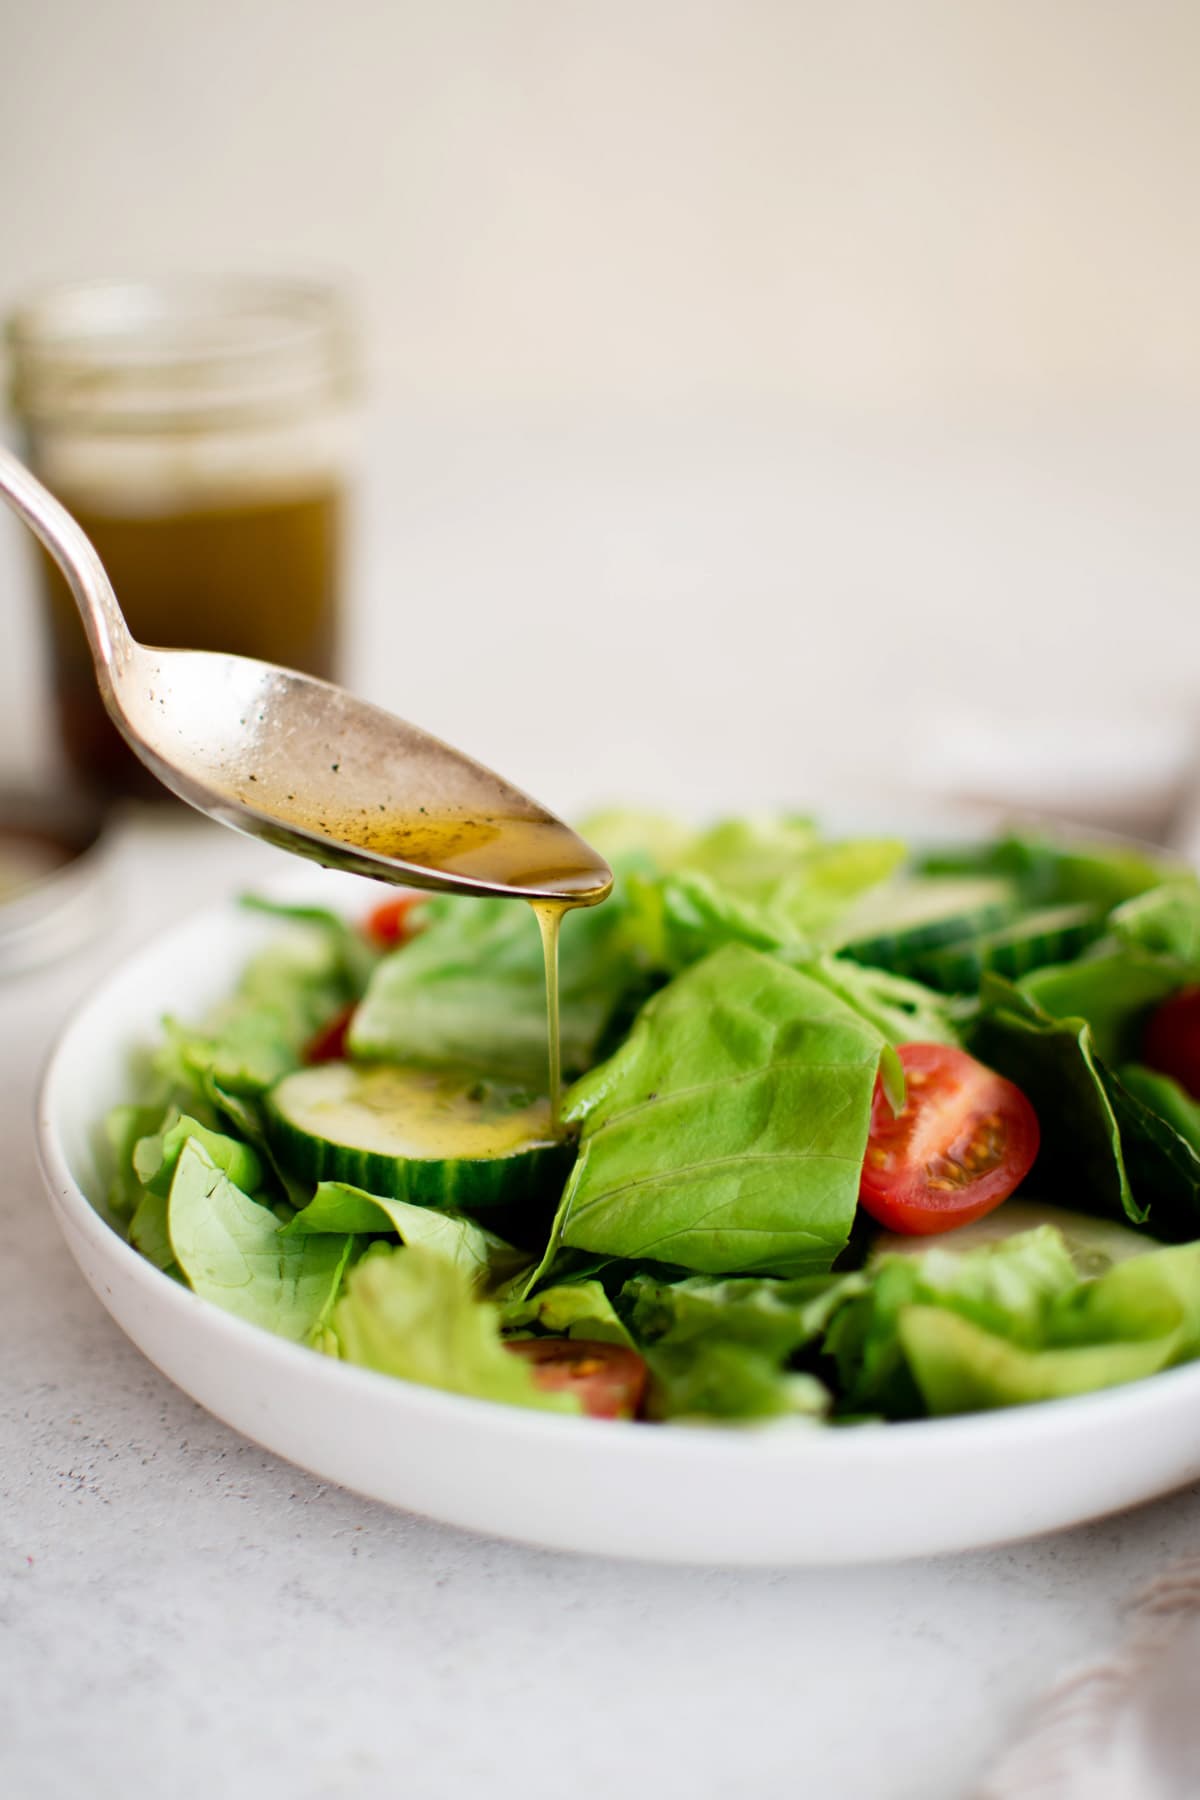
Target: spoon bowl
point(303, 764)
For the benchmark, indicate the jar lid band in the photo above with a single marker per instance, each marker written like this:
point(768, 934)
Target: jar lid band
point(177, 356)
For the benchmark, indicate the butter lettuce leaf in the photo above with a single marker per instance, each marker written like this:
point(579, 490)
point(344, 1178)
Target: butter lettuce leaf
point(1162, 1159)
point(414, 1314)
point(731, 1382)
point(936, 1328)
point(469, 991)
point(727, 1133)
point(675, 920)
point(631, 838)
point(773, 884)
point(777, 1317)
point(1111, 989)
point(124, 1126)
point(1151, 948)
point(1108, 1147)
point(148, 1231)
point(1140, 1318)
point(256, 1037)
point(337, 1207)
point(234, 1252)
point(1164, 1097)
point(349, 948)
point(156, 1156)
point(1164, 922)
point(800, 880)
point(1006, 1286)
point(724, 1349)
point(579, 1309)
point(1054, 1062)
point(903, 1011)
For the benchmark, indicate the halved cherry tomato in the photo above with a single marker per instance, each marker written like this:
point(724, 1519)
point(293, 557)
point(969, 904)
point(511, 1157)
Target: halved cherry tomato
point(608, 1380)
point(390, 923)
point(1172, 1039)
point(329, 1044)
point(963, 1141)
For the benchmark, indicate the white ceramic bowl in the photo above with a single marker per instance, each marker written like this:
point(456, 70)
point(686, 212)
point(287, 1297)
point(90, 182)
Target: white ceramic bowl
point(787, 1494)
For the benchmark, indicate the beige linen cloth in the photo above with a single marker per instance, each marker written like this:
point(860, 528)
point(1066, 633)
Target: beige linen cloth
point(1127, 1728)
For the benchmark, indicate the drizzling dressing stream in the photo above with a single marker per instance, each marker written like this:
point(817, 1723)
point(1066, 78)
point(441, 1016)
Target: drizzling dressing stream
point(525, 855)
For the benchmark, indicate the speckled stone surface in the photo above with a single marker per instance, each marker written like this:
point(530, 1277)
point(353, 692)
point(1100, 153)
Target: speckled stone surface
point(183, 1615)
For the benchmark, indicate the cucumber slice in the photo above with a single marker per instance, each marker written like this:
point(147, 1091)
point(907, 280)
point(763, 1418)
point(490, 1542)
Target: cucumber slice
point(431, 1137)
point(925, 914)
point(1053, 935)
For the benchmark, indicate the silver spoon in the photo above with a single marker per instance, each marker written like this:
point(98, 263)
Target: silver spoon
point(302, 763)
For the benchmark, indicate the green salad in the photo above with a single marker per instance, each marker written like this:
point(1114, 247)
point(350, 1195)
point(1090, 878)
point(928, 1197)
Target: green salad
point(852, 1132)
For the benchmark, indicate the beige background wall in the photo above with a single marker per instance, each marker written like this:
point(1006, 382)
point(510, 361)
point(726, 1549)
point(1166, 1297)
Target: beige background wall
point(884, 202)
point(778, 383)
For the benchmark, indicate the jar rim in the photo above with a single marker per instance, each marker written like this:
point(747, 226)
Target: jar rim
point(180, 353)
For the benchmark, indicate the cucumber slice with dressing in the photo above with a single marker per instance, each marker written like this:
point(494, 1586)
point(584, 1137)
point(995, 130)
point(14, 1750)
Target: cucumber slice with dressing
point(431, 1137)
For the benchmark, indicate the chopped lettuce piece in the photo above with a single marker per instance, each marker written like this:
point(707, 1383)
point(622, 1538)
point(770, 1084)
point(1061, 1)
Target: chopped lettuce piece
point(783, 865)
point(1151, 949)
point(287, 992)
point(243, 1113)
point(1053, 1061)
point(233, 1252)
point(469, 991)
point(773, 1316)
point(1141, 1317)
point(729, 1381)
point(486, 1258)
point(723, 1349)
point(1006, 1286)
point(1106, 1147)
point(1112, 989)
point(675, 920)
point(355, 955)
point(901, 1010)
point(155, 1157)
point(1164, 922)
point(771, 884)
point(572, 1309)
point(1163, 1162)
point(148, 1231)
point(727, 1132)
point(123, 1126)
point(1164, 1096)
point(414, 1314)
point(642, 840)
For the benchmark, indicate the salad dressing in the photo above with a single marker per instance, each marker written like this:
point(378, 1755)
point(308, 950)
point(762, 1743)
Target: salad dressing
point(255, 577)
point(549, 915)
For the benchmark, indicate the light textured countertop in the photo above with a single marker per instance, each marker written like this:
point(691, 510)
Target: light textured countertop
point(183, 1614)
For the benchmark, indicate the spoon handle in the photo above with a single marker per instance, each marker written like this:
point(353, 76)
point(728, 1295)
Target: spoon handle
point(108, 634)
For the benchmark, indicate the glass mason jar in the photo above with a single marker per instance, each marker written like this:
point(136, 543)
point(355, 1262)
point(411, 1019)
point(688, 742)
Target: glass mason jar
point(199, 430)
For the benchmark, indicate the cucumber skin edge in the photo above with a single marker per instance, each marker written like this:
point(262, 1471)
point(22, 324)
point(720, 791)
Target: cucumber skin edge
point(460, 1184)
point(902, 950)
